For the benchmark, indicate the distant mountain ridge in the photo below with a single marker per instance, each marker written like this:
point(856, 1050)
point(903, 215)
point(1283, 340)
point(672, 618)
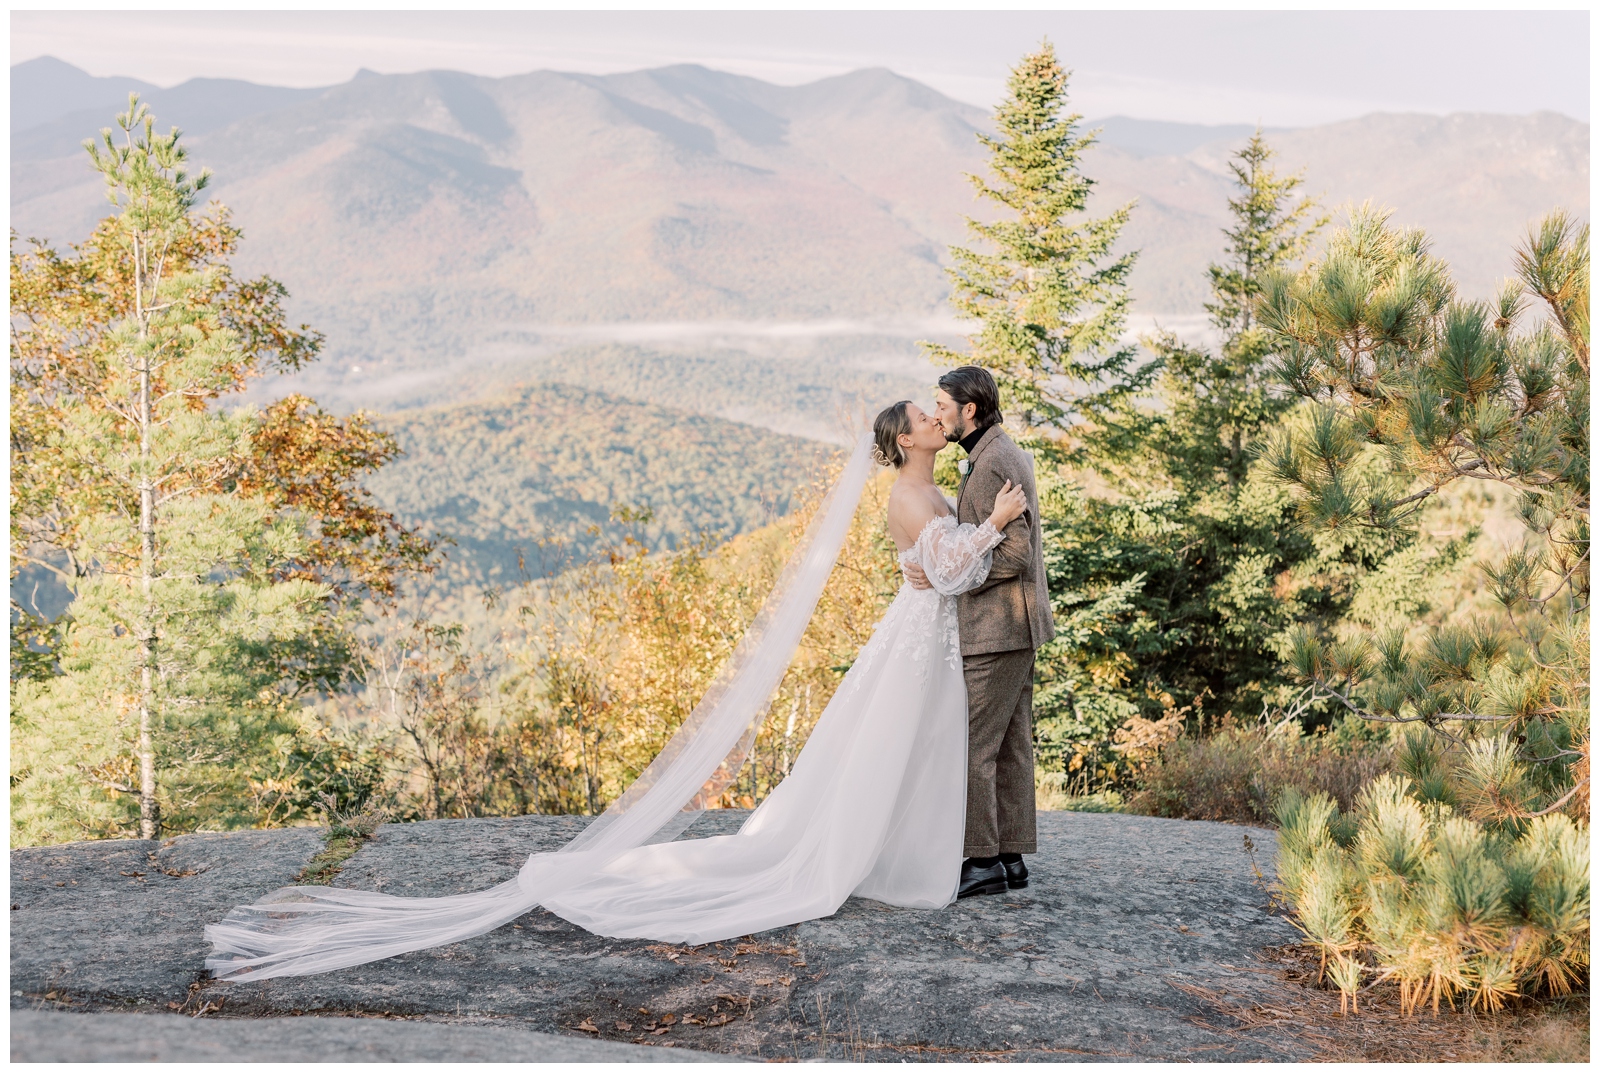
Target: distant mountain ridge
point(427, 220)
point(55, 106)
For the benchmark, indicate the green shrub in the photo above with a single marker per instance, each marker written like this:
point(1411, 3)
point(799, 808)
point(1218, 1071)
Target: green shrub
point(1237, 773)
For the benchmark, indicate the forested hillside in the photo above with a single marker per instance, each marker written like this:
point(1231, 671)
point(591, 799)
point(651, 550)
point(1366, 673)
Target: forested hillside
point(538, 471)
point(803, 394)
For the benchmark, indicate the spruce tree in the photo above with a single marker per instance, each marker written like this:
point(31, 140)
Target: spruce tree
point(1049, 293)
point(1217, 402)
point(1171, 590)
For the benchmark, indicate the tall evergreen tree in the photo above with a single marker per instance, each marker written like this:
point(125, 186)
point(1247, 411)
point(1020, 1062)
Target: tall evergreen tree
point(1047, 289)
point(1218, 401)
point(1176, 587)
point(205, 584)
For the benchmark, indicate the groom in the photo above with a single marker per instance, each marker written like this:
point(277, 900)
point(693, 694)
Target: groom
point(1002, 622)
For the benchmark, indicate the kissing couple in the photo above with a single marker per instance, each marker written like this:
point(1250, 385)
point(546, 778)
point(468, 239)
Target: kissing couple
point(915, 787)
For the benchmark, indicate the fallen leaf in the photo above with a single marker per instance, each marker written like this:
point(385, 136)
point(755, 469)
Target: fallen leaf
point(668, 1019)
point(786, 980)
point(623, 1026)
point(587, 1025)
point(747, 948)
point(798, 964)
point(663, 1030)
point(707, 980)
point(763, 982)
point(719, 1020)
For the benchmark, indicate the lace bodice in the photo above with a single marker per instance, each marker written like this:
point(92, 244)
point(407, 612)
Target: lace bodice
point(954, 556)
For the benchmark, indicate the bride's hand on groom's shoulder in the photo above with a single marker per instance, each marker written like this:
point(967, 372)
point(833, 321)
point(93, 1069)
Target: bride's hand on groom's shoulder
point(1009, 505)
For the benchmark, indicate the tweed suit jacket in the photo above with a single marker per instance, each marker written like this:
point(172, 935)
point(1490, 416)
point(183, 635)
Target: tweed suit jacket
point(1011, 609)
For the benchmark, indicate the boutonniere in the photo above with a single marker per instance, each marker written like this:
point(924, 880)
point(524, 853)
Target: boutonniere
point(962, 467)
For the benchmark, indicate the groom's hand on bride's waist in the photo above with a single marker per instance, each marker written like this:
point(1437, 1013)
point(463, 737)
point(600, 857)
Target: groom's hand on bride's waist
point(915, 575)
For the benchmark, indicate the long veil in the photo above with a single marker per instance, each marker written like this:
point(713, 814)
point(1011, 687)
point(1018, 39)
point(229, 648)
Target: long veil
point(297, 931)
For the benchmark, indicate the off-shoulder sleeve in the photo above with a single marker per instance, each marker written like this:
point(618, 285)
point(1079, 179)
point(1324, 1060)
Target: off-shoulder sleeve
point(956, 557)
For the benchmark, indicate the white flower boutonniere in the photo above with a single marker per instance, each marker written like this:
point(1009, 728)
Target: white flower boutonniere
point(962, 467)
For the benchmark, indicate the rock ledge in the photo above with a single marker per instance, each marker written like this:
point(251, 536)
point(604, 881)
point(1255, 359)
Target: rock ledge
point(1089, 963)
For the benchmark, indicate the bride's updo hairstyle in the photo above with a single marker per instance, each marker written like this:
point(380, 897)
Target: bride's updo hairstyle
point(890, 425)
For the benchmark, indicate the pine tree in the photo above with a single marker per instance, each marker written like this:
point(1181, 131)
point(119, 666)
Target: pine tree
point(1049, 293)
point(1414, 390)
point(194, 621)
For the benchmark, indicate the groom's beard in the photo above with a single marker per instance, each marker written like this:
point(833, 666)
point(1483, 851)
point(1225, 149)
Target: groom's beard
point(955, 433)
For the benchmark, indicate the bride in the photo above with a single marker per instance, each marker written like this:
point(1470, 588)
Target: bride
point(874, 805)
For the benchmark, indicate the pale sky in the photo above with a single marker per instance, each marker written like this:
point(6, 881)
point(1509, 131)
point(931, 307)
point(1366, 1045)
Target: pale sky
point(1285, 68)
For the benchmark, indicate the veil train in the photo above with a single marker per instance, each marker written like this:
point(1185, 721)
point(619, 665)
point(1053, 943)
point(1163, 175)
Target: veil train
point(298, 931)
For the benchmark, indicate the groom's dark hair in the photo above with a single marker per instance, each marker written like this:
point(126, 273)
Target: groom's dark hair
point(972, 383)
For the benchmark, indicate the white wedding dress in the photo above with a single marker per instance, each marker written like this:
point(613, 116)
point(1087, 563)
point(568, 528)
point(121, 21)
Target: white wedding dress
point(874, 805)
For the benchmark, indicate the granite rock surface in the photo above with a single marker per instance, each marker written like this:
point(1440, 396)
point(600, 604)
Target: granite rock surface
point(59, 1036)
point(1090, 962)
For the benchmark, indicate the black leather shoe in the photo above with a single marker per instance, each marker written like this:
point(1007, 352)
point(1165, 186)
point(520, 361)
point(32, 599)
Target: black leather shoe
point(1016, 874)
point(975, 880)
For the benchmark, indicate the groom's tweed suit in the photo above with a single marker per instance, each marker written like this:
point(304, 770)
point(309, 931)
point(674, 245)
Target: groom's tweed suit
point(1002, 622)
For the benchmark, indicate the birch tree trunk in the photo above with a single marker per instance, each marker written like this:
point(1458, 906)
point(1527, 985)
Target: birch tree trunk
point(149, 806)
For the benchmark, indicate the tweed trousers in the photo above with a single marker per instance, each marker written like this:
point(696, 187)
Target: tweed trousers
point(1000, 817)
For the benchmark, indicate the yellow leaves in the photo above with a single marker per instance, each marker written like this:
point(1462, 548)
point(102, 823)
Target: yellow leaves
point(616, 655)
point(1139, 740)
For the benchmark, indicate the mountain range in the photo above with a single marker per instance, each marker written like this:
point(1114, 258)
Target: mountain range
point(439, 221)
point(572, 292)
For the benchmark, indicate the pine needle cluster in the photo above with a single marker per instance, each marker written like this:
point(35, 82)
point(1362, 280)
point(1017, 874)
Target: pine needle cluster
point(1405, 890)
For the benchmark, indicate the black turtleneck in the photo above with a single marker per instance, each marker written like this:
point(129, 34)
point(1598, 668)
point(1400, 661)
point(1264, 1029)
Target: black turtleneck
point(969, 442)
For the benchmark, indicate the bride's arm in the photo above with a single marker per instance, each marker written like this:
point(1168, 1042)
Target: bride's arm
point(956, 558)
